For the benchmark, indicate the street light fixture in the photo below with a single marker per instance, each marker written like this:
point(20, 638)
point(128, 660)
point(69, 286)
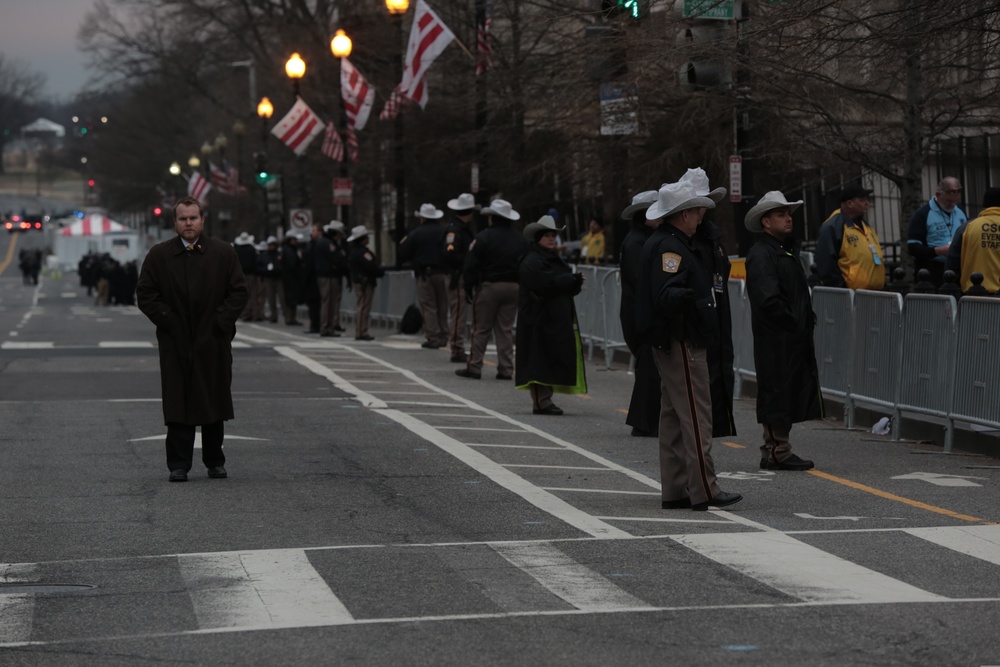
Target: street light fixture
point(175, 169)
point(397, 6)
point(341, 45)
point(206, 149)
point(295, 68)
point(396, 10)
point(194, 162)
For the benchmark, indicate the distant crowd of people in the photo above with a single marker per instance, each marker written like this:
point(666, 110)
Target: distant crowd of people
point(109, 281)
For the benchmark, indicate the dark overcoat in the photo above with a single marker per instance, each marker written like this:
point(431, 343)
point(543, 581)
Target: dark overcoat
point(783, 321)
point(194, 298)
point(644, 406)
point(546, 339)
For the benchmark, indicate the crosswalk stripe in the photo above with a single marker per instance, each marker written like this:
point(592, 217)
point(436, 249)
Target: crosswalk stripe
point(801, 570)
point(982, 542)
point(276, 588)
point(576, 584)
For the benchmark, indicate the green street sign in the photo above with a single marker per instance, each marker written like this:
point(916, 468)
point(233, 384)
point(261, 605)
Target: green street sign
point(722, 10)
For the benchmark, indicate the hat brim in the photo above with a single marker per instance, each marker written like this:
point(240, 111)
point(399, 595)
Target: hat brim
point(632, 209)
point(717, 194)
point(655, 211)
point(454, 205)
point(352, 237)
point(440, 214)
point(513, 215)
point(533, 228)
point(752, 221)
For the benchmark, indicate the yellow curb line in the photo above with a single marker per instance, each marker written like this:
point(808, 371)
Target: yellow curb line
point(10, 253)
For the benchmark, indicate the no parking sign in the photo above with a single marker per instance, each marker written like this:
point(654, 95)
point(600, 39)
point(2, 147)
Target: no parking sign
point(300, 219)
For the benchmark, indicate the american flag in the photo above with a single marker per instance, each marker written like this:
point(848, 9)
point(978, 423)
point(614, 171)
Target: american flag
point(358, 96)
point(484, 45)
point(392, 105)
point(198, 187)
point(226, 179)
point(352, 143)
point(298, 127)
point(428, 38)
point(333, 146)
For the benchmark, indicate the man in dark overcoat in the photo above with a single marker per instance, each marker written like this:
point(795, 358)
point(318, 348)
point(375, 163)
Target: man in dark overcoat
point(192, 288)
point(782, 318)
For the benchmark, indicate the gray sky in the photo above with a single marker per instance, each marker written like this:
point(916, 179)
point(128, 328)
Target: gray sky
point(43, 34)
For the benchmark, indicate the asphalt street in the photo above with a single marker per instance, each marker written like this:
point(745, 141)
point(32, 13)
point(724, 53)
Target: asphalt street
point(380, 510)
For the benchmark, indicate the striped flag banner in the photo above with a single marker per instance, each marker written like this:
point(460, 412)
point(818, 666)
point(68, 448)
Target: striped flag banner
point(484, 45)
point(352, 143)
point(333, 146)
point(298, 127)
point(225, 179)
point(198, 186)
point(358, 95)
point(429, 36)
point(392, 105)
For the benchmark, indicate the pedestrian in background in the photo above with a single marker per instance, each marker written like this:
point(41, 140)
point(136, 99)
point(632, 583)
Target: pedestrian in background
point(592, 245)
point(247, 254)
point(192, 288)
point(458, 236)
point(933, 226)
point(311, 291)
point(975, 247)
point(848, 252)
point(549, 350)
point(269, 269)
point(422, 247)
point(328, 264)
point(365, 272)
point(292, 279)
point(783, 320)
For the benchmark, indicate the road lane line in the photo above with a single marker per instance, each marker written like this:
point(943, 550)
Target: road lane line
point(480, 428)
point(11, 345)
point(481, 444)
point(125, 343)
point(654, 519)
point(575, 583)
point(17, 612)
point(800, 570)
point(614, 491)
point(261, 589)
point(893, 496)
point(982, 542)
point(11, 247)
point(531, 465)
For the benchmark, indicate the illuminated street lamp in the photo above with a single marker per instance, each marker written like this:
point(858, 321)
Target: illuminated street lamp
point(397, 6)
point(194, 162)
point(396, 10)
point(295, 68)
point(175, 169)
point(341, 45)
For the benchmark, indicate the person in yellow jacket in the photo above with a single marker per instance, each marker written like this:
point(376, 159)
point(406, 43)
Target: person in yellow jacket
point(592, 243)
point(975, 248)
point(848, 252)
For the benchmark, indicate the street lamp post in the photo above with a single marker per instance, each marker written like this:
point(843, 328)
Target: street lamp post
point(396, 10)
point(264, 110)
point(341, 47)
point(295, 68)
point(238, 130)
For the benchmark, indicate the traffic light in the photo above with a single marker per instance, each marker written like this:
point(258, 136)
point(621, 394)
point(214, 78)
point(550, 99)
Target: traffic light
point(634, 9)
point(260, 165)
point(157, 211)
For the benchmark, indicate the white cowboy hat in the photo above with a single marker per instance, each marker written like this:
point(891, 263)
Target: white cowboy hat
point(429, 212)
point(546, 223)
point(243, 239)
point(334, 226)
point(502, 208)
point(699, 179)
point(271, 239)
point(640, 202)
point(358, 232)
point(464, 202)
point(674, 198)
point(770, 201)
point(260, 247)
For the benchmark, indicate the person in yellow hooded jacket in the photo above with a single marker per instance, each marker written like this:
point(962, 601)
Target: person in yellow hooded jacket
point(848, 252)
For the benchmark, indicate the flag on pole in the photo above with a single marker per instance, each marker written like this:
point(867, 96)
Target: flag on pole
point(333, 146)
point(298, 127)
point(429, 36)
point(392, 105)
point(225, 179)
point(198, 187)
point(484, 45)
point(358, 96)
point(352, 143)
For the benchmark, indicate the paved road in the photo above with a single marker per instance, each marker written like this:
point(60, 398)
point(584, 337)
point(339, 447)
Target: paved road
point(381, 510)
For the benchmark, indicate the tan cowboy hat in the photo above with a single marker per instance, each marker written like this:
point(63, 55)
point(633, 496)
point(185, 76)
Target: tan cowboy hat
point(640, 202)
point(770, 201)
point(674, 198)
point(699, 179)
point(429, 212)
point(546, 223)
point(502, 208)
point(358, 232)
point(464, 202)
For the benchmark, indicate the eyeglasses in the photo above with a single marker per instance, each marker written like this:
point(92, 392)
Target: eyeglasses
point(954, 191)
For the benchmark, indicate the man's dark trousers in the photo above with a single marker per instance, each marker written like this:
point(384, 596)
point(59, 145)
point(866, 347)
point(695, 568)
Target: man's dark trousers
point(180, 445)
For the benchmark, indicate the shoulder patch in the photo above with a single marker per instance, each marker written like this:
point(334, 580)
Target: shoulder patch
point(449, 238)
point(369, 256)
point(671, 262)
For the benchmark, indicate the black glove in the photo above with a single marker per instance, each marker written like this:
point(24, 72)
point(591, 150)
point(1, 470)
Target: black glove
point(687, 297)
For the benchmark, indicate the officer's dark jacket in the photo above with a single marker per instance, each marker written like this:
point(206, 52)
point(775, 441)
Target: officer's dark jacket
point(494, 255)
point(631, 253)
point(365, 267)
point(674, 296)
point(457, 239)
point(328, 259)
point(423, 247)
point(268, 264)
point(247, 255)
point(783, 322)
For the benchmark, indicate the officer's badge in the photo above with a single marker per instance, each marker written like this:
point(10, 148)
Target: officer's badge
point(671, 262)
point(450, 238)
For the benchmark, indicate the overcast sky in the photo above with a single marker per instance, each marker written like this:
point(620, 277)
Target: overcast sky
point(43, 34)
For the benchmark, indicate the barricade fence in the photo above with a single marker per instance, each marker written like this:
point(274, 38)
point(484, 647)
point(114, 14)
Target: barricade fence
point(923, 356)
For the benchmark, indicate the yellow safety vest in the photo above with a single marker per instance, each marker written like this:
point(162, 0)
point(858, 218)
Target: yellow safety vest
point(981, 250)
point(858, 252)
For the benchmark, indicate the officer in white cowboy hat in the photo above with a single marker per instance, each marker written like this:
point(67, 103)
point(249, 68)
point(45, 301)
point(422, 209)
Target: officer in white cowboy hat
point(491, 286)
point(246, 251)
point(783, 321)
point(329, 265)
point(458, 236)
point(675, 311)
point(423, 247)
point(365, 272)
point(269, 268)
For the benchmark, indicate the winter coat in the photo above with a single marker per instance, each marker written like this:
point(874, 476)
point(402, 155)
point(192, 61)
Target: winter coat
point(194, 298)
point(292, 278)
point(546, 339)
point(783, 321)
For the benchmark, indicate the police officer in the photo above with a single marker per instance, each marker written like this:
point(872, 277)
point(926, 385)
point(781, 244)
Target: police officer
point(458, 237)
point(269, 269)
point(365, 272)
point(329, 264)
point(292, 277)
point(491, 286)
point(675, 309)
point(423, 248)
point(247, 254)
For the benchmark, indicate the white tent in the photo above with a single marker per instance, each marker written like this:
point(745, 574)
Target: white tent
point(44, 126)
point(92, 225)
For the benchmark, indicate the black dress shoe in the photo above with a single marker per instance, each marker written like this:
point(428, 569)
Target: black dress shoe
point(217, 472)
point(793, 462)
point(722, 500)
point(330, 334)
point(178, 476)
point(680, 504)
point(548, 410)
point(639, 433)
point(339, 329)
point(459, 358)
point(501, 376)
point(311, 331)
point(365, 337)
point(466, 373)
point(430, 346)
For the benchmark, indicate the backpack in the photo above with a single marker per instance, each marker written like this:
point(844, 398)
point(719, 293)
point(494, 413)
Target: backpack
point(412, 321)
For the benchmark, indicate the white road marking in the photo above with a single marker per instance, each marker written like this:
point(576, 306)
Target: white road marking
point(762, 476)
point(612, 491)
point(480, 428)
point(940, 479)
point(478, 444)
point(124, 343)
point(803, 515)
point(982, 542)
point(802, 571)
point(67, 295)
point(197, 438)
point(260, 589)
point(13, 345)
point(443, 414)
point(660, 519)
point(530, 465)
point(576, 584)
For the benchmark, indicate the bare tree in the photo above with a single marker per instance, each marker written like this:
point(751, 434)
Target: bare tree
point(20, 90)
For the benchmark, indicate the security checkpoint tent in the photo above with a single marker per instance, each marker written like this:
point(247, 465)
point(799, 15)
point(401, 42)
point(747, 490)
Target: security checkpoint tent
point(92, 225)
point(94, 233)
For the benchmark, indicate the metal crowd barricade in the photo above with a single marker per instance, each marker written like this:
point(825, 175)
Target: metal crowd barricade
point(834, 330)
point(878, 318)
point(927, 372)
point(743, 362)
point(611, 303)
point(400, 293)
point(588, 308)
point(976, 396)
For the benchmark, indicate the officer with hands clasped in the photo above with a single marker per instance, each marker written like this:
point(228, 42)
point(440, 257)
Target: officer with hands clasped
point(675, 311)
